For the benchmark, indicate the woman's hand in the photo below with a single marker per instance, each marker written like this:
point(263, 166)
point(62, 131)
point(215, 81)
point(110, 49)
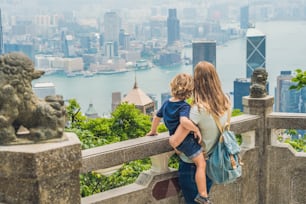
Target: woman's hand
point(197, 134)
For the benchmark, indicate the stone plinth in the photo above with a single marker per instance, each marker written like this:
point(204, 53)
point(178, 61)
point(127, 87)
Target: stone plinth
point(41, 173)
point(258, 106)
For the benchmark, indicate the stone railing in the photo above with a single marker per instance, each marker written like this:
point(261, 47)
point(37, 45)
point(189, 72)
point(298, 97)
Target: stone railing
point(159, 184)
point(273, 172)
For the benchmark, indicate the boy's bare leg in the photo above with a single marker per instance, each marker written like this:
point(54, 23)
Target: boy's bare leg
point(200, 176)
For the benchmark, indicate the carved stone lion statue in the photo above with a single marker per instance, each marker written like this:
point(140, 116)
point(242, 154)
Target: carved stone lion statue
point(20, 107)
point(258, 88)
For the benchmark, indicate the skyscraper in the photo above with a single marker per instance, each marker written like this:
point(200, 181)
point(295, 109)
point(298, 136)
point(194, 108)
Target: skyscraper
point(64, 44)
point(203, 50)
point(286, 100)
point(255, 58)
point(241, 88)
point(111, 27)
point(26, 48)
point(244, 17)
point(255, 50)
point(173, 25)
point(1, 35)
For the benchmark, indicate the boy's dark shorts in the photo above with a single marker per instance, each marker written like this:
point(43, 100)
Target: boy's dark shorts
point(190, 146)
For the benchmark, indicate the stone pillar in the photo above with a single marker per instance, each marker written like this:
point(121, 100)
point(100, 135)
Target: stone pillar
point(41, 173)
point(261, 107)
point(160, 162)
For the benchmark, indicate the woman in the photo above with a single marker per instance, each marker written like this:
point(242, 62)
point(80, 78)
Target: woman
point(208, 100)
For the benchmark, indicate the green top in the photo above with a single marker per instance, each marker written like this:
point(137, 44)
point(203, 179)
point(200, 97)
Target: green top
point(208, 128)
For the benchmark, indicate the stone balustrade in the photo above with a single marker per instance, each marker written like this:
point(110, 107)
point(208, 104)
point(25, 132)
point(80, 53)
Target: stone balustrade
point(273, 172)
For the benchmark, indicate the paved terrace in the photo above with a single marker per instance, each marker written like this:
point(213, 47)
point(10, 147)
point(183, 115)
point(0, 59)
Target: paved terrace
point(273, 172)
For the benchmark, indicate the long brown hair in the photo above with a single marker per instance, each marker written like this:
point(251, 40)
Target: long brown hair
point(207, 91)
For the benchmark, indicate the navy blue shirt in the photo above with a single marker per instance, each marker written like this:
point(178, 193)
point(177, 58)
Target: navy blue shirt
point(171, 113)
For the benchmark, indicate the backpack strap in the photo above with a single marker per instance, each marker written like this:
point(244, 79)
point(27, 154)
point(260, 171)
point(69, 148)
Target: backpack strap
point(221, 129)
point(227, 124)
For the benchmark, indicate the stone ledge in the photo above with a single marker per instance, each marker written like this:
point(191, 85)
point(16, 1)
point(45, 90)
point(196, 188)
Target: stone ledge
point(40, 160)
point(41, 173)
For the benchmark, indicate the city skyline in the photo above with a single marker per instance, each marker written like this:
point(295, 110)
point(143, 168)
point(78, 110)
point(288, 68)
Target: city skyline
point(46, 35)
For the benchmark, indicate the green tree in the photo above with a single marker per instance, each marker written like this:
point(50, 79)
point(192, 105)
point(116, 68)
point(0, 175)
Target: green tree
point(74, 114)
point(128, 122)
point(299, 79)
point(100, 127)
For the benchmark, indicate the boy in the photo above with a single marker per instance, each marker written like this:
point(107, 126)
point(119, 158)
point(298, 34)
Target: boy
point(175, 111)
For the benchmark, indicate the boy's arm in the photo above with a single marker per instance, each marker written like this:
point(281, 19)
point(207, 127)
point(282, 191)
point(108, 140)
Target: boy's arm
point(155, 123)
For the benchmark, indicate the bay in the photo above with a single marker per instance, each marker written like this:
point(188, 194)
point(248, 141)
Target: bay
point(285, 50)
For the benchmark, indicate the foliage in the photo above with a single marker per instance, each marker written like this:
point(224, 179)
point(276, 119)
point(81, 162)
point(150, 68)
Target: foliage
point(75, 117)
point(236, 112)
point(161, 128)
point(300, 79)
point(128, 122)
point(90, 140)
point(296, 141)
point(298, 144)
point(100, 127)
point(174, 161)
point(94, 182)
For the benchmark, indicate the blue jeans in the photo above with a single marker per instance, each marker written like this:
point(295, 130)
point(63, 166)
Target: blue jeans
point(186, 175)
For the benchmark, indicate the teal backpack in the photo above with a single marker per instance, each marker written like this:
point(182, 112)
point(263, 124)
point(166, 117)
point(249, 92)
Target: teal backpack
point(223, 165)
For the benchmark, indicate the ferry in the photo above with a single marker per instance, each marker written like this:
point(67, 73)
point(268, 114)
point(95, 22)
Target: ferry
point(142, 65)
point(108, 72)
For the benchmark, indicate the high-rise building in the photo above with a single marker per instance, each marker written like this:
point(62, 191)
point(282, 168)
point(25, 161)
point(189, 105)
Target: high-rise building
point(26, 48)
point(303, 100)
point(173, 27)
point(111, 27)
point(286, 100)
point(203, 51)
point(116, 100)
point(158, 27)
point(241, 88)
point(255, 58)
point(109, 50)
point(64, 44)
point(255, 50)
point(244, 17)
point(1, 36)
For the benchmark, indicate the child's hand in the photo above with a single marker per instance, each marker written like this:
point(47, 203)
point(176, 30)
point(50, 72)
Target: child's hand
point(151, 133)
point(197, 134)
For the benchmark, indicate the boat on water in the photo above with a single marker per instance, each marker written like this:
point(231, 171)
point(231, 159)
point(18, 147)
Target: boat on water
point(108, 72)
point(142, 65)
point(88, 74)
point(74, 74)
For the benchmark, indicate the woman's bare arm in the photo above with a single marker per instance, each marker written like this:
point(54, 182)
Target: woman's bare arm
point(178, 137)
